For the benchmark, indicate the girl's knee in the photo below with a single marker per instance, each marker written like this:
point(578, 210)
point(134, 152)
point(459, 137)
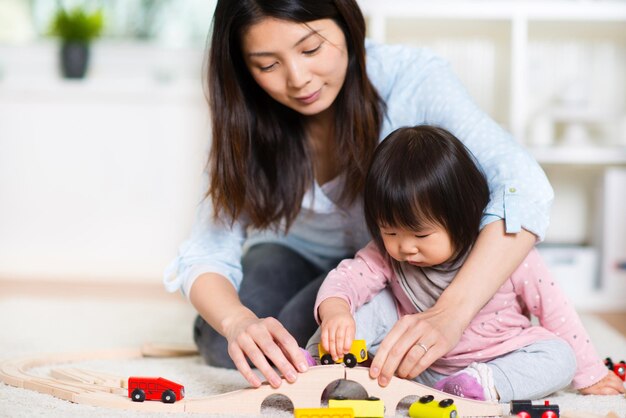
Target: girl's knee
point(563, 361)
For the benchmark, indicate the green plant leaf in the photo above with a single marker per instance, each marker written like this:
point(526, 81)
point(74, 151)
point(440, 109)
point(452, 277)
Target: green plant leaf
point(77, 25)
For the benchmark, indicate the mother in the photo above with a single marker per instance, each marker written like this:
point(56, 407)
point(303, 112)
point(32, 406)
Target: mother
point(299, 102)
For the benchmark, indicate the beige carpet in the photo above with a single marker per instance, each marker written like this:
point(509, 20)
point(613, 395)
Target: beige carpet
point(37, 325)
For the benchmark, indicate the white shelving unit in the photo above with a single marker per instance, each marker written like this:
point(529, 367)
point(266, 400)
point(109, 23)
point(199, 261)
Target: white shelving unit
point(554, 74)
point(515, 57)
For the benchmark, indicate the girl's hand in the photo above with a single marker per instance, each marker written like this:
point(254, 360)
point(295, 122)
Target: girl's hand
point(414, 343)
point(609, 385)
point(260, 339)
point(338, 327)
point(338, 334)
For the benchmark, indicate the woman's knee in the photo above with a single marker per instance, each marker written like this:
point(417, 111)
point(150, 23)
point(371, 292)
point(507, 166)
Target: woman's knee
point(211, 345)
point(272, 275)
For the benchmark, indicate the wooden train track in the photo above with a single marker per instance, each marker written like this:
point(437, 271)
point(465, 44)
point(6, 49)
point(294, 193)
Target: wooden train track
point(110, 391)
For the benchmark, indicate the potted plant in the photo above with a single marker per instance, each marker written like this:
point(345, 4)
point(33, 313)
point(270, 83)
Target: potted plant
point(77, 28)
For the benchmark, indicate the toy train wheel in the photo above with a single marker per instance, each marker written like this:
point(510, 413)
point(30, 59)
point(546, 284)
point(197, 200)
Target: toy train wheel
point(549, 414)
point(523, 414)
point(446, 403)
point(138, 395)
point(426, 399)
point(168, 396)
point(349, 360)
point(327, 359)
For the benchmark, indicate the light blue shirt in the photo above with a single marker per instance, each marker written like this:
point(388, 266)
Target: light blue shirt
point(419, 88)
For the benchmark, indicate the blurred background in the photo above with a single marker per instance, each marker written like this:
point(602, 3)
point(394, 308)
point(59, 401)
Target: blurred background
point(100, 174)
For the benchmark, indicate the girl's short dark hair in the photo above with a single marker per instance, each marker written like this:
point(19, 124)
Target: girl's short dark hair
point(423, 175)
point(260, 163)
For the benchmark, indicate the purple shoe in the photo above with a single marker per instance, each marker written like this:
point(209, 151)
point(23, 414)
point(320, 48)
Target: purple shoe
point(462, 385)
point(309, 358)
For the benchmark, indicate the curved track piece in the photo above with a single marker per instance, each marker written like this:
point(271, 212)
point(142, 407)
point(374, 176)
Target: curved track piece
point(306, 392)
point(104, 390)
point(401, 388)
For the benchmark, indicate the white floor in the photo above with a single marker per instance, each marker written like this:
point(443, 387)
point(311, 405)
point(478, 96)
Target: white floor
point(37, 325)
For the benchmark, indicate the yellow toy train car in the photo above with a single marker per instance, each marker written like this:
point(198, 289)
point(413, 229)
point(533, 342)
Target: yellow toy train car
point(357, 354)
point(323, 413)
point(371, 407)
point(426, 407)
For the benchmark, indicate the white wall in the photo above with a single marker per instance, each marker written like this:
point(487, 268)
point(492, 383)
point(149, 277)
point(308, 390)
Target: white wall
point(98, 178)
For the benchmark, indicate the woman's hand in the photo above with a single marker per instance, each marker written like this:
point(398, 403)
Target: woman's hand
point(338, 326)
point(260, 340)
point(414, 343)
point(248, 336)
point(609, 385)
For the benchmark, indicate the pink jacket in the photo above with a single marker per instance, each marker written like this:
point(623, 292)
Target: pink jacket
point(501, 326)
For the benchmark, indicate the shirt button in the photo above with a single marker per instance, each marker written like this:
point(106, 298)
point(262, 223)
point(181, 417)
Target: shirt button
point(512, 190)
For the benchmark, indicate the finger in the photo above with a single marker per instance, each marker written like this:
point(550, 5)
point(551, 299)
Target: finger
point(255, 344)
point(252, 350)
point(617, 384)
point(349, 339)
point(420, 365)
point(383, 351)
point(239, 359)
point(433, 353)
point(410, 360)
point(608, 391)
point(390, 366)
point(403, 341)
point(332, 338)
point(259, 360)
point(274, 341)
point(289, 345)
point(378, 361)
point(411, 334)
point(325, 338)
point(424, 350)
point(390, 340)
point(340, 342)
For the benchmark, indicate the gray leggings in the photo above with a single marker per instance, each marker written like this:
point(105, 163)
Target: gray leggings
point(277, 282)
point(531, 372)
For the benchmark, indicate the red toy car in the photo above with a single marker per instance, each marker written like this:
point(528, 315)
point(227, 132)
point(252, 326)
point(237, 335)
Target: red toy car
point(618, 368)
point(154, 389)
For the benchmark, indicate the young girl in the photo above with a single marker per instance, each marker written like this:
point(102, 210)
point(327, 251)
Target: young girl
point(424, 198)
point(299, 101)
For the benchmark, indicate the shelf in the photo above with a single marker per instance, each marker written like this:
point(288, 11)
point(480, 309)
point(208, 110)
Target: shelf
point(501, 10)
point(580, 155)
point(98, 90)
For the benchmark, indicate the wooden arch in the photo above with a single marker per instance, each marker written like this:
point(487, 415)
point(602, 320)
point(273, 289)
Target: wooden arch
point(103, 390)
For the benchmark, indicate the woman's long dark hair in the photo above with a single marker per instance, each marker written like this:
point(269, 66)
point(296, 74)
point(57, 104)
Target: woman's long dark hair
point(422, 175)
point(260, 164)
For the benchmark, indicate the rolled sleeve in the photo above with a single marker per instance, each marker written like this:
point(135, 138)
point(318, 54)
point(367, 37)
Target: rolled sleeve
point(518, 209)
point(214, 247)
